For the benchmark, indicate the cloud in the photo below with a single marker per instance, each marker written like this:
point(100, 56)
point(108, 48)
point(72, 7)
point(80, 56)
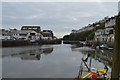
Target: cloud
point(60, 0)
point(57, 16)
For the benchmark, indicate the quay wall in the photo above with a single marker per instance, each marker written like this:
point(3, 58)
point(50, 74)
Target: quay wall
point(57, 41)
point(13, 43)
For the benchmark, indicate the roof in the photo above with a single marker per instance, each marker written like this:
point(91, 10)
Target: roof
point(23, 31)
point(47, 30)
point(31, 26)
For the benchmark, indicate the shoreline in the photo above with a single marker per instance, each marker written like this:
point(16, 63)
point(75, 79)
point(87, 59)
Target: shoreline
point(15, 43)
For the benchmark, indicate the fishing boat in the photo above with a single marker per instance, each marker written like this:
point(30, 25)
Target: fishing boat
point(92, 73)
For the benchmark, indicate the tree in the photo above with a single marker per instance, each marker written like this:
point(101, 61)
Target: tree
point(66, 37)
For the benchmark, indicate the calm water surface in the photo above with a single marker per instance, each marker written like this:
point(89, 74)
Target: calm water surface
point(49, 61)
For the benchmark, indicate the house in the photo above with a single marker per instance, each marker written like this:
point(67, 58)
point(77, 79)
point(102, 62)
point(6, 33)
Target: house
point(47, 34)
point(107, 34)
point(109, 27)
point(110, 34)
point(99, 35)
point(25, 35)
point(35, 28)
point(110, 22)
point(4, 34)
point(104, 35)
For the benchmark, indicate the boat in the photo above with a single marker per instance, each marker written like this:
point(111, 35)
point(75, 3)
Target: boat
point(92, 73)
point(34, 43)
point(104, 47)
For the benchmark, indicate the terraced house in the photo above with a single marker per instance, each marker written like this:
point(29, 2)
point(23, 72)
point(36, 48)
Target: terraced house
point(106, 34)
point(47, 34)
point(4, 34)
point(25, 35)
point(35, 28)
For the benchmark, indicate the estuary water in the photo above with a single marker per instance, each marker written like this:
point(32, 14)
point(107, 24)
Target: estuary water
point(50, 61)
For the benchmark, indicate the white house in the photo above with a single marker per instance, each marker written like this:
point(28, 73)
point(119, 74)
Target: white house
point(25, 35)
point(110, 22)
point(4, 34)
point(47, 35)
point(105, 35)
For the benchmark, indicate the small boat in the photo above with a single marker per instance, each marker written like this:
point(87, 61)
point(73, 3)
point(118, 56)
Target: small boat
point(104, 47)
point(92, 73)
point(35, 44)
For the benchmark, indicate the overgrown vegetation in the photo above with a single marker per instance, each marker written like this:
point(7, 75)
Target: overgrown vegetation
point(85, 35)
point(89, 35)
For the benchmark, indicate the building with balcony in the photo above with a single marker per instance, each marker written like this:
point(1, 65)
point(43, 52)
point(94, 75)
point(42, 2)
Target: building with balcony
point(47, 34)
point(107, 34)
point(4, 34)
point(35, 28)
point(25, 35)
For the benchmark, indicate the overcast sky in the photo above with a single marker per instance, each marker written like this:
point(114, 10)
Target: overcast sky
point(60, 17)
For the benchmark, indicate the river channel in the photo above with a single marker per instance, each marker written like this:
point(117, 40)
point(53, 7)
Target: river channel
point(50, 61)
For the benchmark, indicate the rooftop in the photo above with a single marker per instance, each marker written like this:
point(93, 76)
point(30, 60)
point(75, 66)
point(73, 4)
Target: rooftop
point(31, 26)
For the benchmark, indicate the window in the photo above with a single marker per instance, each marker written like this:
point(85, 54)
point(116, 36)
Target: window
point(32, 34)
point(111, 31)
point(3, 34)
point(24, 28)
point(22, 34)
point(30, 28)
point(102, 39)
point(34, 28)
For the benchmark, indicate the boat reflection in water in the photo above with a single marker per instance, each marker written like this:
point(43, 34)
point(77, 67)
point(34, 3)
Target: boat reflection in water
point(96, 57)
point(34, 54)
point(103, 56)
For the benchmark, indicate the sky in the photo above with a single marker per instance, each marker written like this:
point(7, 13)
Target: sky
point(60, 17)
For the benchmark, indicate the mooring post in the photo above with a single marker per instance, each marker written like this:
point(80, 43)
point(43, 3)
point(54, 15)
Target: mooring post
point(116, 55)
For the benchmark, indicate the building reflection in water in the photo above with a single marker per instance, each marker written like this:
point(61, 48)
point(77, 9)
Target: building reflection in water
point(47, 51)
point(34, 54)
point(103, 56)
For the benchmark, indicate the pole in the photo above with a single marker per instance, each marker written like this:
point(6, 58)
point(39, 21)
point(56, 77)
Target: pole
point(116, 54)
point(85, 64)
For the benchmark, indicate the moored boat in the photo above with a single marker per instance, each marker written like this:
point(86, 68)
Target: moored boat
point(92, 73)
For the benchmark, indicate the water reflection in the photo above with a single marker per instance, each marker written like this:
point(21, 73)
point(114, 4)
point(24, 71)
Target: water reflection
point(34, 54)
point(103, 56)
point(47, 51)
point(35, 61)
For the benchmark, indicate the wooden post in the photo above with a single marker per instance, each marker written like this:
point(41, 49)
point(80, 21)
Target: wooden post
point(116, 55)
